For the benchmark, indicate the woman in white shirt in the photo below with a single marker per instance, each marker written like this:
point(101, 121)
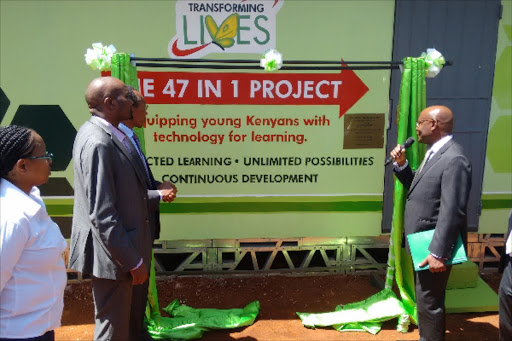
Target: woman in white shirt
point(32, 272)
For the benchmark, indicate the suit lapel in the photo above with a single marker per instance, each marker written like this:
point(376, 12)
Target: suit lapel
point(132, 158)
point(433, 160)
point(140, 162)
point(137, 159)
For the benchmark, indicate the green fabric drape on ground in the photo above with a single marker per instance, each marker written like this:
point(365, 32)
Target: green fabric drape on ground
point(122, 68)
point(189, 323)
point(369, 314)
point(366, 315)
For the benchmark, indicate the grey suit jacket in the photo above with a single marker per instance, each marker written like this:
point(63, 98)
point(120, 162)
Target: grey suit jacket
point(438, 198)
point(152, 184)
point(155, 217)
point(154, 195)
point(111, 227)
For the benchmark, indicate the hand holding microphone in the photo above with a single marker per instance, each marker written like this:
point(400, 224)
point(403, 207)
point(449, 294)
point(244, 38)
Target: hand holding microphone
point(397, 154)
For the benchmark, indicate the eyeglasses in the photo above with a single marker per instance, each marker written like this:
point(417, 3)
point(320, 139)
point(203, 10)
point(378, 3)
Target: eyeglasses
point(418, 123)
point(146, 107)
point(47, 156)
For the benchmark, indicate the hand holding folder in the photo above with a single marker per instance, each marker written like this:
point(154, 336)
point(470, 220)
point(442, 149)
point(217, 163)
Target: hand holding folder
point(419, 243)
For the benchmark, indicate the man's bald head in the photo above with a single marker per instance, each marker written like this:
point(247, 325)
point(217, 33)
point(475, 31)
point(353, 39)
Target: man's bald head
point(443, 115)
point(101, 88)
point(108, 97)
point(434, 123)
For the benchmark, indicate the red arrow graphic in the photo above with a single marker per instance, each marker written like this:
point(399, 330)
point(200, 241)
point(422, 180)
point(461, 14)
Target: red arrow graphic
point(343, 89)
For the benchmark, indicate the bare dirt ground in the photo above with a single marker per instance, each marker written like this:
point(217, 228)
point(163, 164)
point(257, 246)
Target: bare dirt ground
point(280, 297)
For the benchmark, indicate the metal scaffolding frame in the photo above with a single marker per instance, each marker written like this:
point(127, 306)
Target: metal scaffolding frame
point(346, 255)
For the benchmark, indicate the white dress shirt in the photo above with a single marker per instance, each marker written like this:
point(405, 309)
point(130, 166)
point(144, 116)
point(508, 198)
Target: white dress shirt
point(32, 272)
point(508, 245)
point(439, 144)
point(432, 151)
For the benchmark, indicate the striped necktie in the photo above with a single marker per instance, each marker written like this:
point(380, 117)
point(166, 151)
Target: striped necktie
point(425, 160)
point(141, 155)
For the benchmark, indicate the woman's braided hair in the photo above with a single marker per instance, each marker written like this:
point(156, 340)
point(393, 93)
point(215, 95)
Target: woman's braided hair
point(15, 143)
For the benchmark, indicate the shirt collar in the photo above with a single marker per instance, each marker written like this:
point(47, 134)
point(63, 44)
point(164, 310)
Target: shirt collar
point(439, 144)
point(118, 133)
point(127, 131)
point(31, 203)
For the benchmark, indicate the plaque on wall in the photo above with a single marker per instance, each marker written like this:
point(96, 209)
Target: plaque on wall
point(363, 131)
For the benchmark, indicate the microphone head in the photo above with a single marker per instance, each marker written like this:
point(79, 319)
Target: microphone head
point(408, 142)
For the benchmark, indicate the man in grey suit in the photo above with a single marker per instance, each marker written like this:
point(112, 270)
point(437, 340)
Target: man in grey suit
point(111, 233)
point(437, 199)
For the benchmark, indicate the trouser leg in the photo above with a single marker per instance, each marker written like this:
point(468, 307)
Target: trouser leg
point(112, 305)
point(139, 301)
point(430, 291)
point(505, 300)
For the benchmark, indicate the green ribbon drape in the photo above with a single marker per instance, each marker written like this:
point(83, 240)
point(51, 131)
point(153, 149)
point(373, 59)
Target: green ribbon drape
point(122, 68)
point(412, 102)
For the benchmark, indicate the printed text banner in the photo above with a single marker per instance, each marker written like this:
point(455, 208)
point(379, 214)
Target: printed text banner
point(218, 134)
point(343, 89)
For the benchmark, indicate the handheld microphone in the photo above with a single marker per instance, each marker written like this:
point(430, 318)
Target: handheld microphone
point(406, 145)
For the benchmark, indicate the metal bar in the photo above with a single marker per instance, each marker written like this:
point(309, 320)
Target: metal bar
point(254, 260)
point(307, 260)
point(366, 255)
point(325, 258)
point(158, 266)
point(257, 61)
point(187, 261)
point(270, 260)
point(288, 259)
point(238, 258)
point(257, 67)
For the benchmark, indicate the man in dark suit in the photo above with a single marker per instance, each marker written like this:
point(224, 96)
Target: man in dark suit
point(505, 292)
point(166, 190)
point(437, 199)
point(111, 233)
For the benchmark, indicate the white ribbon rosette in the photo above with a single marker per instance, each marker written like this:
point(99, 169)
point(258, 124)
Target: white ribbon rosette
point(272, 60)
point(98, 58)
point(435, 60)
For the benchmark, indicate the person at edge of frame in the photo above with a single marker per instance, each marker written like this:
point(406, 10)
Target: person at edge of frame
point(32, 271)
point(505, 291)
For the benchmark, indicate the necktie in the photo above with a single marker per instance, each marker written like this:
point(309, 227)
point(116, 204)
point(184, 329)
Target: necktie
point(427, 156)
point(137, 143)
point(139, 153)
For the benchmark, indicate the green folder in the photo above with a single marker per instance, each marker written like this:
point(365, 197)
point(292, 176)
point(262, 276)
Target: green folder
point(419, 243)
